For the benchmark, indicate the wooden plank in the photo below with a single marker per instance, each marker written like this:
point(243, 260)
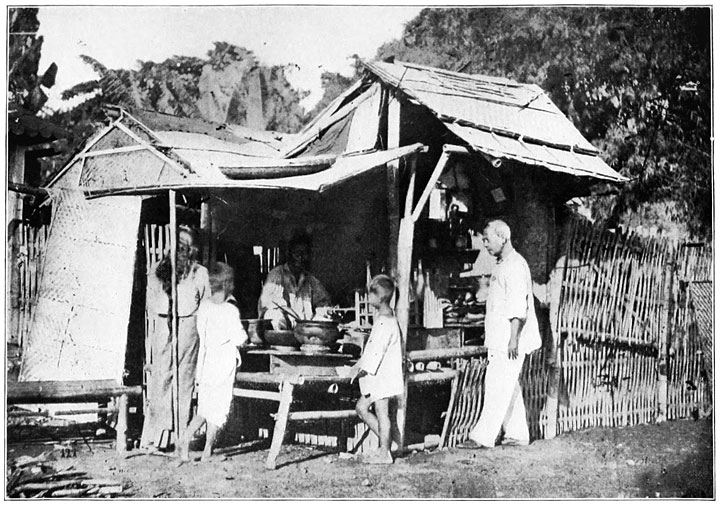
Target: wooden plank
point(308, 415)
point(437, 171)
point(257, 394)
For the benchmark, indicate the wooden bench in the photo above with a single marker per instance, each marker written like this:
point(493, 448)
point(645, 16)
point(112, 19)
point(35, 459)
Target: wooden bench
point(19, 393)
point(283, 389)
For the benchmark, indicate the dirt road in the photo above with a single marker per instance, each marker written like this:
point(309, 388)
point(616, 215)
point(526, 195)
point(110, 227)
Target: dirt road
point(673, 459)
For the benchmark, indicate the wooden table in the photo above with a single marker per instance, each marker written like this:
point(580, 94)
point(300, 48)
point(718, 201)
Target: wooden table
point(287, 375)
point(294, 362)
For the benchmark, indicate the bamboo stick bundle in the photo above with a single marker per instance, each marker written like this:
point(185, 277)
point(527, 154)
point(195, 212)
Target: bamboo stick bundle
point(458, 422)
point(470, 398)
point(458, 403)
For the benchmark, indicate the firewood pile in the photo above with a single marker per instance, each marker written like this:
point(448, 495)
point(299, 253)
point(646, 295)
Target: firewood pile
point(36, 477)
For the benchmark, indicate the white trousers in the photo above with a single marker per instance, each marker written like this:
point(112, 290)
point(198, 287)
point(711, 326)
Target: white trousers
point(503, 406)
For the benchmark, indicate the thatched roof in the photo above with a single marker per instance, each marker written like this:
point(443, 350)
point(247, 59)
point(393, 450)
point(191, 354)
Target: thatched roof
point(498, 117)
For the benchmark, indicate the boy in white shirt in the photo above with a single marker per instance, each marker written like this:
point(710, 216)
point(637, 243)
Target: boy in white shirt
point(221, 333)
point(380, 370)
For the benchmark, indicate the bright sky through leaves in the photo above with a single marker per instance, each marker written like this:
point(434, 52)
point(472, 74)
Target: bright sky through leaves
point(316, 38)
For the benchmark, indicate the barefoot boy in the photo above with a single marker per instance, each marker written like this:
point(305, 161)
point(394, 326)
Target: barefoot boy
point(380, 370)
point(221, 333)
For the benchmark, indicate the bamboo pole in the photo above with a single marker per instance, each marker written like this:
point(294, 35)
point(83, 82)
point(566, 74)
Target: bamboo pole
point(174, 330)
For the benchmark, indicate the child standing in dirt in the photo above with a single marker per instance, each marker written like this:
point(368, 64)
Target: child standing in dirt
point(380, 371)
point(221, 333)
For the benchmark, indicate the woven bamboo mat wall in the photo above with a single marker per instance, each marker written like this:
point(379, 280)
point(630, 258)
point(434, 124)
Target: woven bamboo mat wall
point(79, 325)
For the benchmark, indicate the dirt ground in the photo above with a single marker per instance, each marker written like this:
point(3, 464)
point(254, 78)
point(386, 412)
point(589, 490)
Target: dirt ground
point(672, 459)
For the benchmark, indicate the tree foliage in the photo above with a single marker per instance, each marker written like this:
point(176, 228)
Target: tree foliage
point(222, 87)
point(24, 48)
point(634, 81)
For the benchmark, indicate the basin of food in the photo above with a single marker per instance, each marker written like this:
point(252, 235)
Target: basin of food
point(317, 334)
point(281, 338)
point(255, 329)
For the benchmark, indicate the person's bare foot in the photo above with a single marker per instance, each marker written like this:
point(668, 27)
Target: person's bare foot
point(379, 457)
point(206, 456)
point(184, 446)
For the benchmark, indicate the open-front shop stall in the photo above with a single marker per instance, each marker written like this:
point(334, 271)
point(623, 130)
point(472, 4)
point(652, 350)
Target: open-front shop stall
point(343, 205)
point(399, 175)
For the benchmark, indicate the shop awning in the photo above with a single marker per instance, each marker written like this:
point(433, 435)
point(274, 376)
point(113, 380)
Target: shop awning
point(344, 168)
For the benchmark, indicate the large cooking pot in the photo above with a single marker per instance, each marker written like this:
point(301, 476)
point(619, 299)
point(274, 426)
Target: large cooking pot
point(317, 332)
point(281, 338)
point(255, 329)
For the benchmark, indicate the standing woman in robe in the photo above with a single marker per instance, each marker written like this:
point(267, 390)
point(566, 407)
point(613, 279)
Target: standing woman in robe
point(193, 287)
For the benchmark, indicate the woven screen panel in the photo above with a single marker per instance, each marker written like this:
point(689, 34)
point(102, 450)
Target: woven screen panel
point(137, 168)
point(71, 177)
point(127, 170)
point(113, 139)
point(79, 329)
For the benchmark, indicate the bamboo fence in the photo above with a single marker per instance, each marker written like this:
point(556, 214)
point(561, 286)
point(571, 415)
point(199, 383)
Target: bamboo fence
point(27, 246)
point(623, 308)
point(622, 312)
point(688, 391)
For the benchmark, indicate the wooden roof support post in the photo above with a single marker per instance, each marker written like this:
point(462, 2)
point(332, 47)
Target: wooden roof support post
point(402, 308)
point(174, 329)
point(404, 265)
point(393, 184)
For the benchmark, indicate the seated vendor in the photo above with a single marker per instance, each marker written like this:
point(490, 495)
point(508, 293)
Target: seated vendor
point(292, 285)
